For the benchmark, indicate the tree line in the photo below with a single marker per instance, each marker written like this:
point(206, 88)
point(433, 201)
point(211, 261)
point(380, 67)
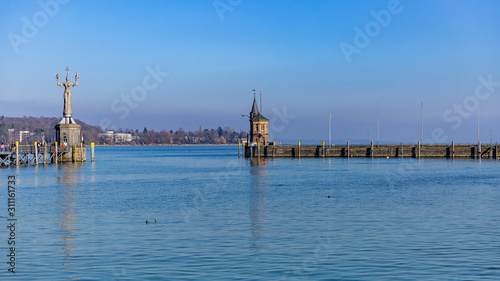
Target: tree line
point(180, 136)
point(43, 128)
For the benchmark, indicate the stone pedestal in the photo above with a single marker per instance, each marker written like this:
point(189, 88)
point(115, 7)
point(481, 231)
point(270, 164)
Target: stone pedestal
point(68, 134)
point(68, 140)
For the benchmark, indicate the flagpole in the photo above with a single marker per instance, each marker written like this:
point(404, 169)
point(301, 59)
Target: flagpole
point(378, 124)
point(330, 129)
point(422, 122)
point(478, 121)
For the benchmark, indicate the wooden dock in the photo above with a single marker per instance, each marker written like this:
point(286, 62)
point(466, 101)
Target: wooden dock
point(42, 154)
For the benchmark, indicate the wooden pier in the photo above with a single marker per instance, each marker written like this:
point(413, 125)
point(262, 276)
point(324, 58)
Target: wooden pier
point(43, 154)
point(452, 150)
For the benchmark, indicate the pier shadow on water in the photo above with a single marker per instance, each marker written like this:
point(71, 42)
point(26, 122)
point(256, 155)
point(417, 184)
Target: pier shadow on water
point(68, 180)
point(259, 203)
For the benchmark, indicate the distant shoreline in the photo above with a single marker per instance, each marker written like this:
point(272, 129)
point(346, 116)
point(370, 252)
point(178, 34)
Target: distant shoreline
point(208, 144)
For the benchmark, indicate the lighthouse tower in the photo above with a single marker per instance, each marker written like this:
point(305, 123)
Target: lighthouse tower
point(259, 126)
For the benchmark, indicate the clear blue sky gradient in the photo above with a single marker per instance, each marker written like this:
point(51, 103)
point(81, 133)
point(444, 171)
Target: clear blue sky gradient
point(431, 51)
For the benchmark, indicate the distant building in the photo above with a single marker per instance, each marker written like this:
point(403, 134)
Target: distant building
point(23, 136)
point(12, 136)
point(117, 137)
point(123, 137)
point(108, 136)
point(259, 126)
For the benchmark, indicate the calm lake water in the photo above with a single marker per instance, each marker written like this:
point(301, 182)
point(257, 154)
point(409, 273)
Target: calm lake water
point(224, 218)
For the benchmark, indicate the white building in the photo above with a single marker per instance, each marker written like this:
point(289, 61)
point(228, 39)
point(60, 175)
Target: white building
point(23, 136)
point(117, 137)
point(123, 137)
point(12, 136)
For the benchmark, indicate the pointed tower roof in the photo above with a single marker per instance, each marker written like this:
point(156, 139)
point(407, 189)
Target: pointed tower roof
point(255, 114)
point(255, 109)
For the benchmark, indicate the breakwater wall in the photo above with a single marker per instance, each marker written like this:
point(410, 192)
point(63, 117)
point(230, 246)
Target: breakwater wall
point(385, 151)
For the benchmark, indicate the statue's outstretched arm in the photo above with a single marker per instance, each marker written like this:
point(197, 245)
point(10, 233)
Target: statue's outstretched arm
point(57, 77)
point(76, 80)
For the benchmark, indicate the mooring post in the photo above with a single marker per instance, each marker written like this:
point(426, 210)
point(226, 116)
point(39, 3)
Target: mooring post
point(402, 150)
point(74, 153)
point(81, 152)
point(371, 151)
point(55, 149)
point(348, 149)
point(44, 153)
point(36, 154)
point(453, 149)
point(92, 152)
point(17, 153)
point(299, 149)
point(258, 149)
point(323, 149)
point(239, 144)
point(418, 149)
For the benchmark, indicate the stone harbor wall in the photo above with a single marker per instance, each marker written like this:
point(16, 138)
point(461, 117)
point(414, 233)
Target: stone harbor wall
point(385, 151)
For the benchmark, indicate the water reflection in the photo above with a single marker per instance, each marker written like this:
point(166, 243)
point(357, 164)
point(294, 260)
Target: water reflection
point(258, 201)
point(67, 180)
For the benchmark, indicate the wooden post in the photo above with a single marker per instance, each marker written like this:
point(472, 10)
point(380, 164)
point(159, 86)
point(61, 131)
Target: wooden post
point(323, 149)
point(348, 149)
point(239, 144)
point(81, 152)
point(17, 153)
point(92, 152)
point(274, 149)
point(402, 150)
point(44, 153)
point(74, 153)
point(258, 149)
point(418, 149)
point(55, 149)
point(453, 149)
point(299, 149)
point(36, 154)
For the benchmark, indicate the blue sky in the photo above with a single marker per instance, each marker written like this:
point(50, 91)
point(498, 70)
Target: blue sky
point(216, 52)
